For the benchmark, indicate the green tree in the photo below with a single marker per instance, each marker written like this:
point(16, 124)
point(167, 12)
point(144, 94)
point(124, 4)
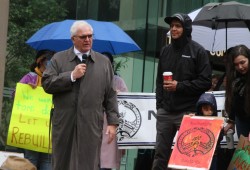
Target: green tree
point(25, 18)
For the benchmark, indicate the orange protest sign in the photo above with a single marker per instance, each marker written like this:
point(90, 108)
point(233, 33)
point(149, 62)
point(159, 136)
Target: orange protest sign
point(196, 142)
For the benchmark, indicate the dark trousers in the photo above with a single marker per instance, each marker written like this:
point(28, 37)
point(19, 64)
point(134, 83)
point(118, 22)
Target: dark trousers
point(167, 125)
point(144, 159)
point(242, 127)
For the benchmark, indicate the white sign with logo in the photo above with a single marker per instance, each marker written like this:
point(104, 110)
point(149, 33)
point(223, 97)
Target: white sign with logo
point(137, 128)
point(137, 119)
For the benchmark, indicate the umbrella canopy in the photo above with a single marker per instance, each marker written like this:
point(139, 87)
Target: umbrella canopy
point(108, 37)
point(222, 12)
point(219, 26)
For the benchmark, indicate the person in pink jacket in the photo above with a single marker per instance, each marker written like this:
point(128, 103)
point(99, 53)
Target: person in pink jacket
point(110, 154)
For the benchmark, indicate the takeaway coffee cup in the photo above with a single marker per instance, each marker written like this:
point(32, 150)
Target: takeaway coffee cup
point(167, 76)
point(230, 139)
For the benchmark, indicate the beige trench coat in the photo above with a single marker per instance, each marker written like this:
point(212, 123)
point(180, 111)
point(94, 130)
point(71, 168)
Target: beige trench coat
point(77, 120)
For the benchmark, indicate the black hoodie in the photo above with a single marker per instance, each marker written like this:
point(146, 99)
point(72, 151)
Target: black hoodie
point(189, 63)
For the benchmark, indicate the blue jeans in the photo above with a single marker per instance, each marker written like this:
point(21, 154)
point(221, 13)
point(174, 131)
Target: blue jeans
point(41, 160)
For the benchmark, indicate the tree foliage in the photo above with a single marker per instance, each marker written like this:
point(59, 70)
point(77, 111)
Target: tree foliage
point(25, 18)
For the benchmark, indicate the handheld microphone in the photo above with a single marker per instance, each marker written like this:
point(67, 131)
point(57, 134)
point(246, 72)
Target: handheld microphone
point(84, 58)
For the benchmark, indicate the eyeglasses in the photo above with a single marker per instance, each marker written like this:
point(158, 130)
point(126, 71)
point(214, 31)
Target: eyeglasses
point(84, 37)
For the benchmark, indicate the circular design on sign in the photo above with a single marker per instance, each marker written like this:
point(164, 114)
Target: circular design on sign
point(129, 121)
point(195, 141)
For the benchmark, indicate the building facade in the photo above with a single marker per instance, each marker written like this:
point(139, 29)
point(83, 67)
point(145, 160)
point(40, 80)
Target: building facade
point(143, 20)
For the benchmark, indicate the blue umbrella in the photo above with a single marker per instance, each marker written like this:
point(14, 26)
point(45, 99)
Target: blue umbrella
point(108, 37)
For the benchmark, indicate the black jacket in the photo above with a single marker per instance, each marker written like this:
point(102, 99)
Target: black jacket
point(189, 63)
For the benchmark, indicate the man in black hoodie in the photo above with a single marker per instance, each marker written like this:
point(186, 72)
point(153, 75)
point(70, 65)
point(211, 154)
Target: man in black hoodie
point(189, 63)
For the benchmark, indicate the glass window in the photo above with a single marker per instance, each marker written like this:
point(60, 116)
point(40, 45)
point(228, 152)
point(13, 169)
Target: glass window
point(109, 10)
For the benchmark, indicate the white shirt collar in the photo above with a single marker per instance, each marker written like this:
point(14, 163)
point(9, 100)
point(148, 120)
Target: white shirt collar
point(79, 54)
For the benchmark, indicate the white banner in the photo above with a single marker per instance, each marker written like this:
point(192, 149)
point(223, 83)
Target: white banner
point(137, 111)
point(137, 119)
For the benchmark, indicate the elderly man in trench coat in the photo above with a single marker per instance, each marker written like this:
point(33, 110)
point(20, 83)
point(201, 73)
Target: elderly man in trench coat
point(81, 90)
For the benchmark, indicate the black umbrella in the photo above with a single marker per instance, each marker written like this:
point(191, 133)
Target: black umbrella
point(229, 16)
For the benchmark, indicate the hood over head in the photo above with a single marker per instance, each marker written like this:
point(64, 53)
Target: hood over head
point(206, 98)
point(185, 21)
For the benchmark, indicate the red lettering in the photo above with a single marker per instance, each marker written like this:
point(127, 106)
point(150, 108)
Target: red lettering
point(21, 138)
point(35, 141)
point(241, 164)
point(15, 130)
point(27, 138)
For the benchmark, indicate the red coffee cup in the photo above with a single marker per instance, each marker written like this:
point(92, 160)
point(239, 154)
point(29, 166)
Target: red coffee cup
point(167, 76)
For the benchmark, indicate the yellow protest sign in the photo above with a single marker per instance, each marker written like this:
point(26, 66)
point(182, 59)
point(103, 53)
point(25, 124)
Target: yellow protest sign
point(29, 124)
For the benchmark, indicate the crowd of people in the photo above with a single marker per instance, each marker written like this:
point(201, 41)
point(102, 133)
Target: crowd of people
point(192, 77)
point(84, 88)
